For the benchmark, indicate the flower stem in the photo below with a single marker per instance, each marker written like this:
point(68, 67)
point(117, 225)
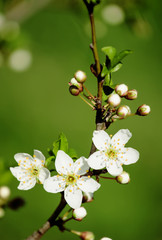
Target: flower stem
point(107, 178)
point(86, 102)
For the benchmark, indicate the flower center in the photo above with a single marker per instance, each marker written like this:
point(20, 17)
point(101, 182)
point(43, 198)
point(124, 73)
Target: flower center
point(111, 153)
point(71, 179)
point(34, 171)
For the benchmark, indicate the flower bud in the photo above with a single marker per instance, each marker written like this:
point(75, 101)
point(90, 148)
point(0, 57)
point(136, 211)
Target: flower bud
point(2, 212)
point(80, 76)
point(74, 90)
point(79, 213)
point(123, 111)
point(143, 110)
point(87, 197)
point(121, 90)
point(132, 94)
point(74, 82)
point(105, 238)
point(87, 236)
point(114, 100)
point(4, 192)
point(123, 178)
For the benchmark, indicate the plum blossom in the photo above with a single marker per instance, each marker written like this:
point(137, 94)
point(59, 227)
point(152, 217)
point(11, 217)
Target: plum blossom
point(112, 152)
point(70, 179)
point(30, 170)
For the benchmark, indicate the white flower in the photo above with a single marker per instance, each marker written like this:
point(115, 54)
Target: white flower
point(30, 170)
point(112, 153)
point(79, 213)
point(114, 99)
point(70, 179)
point(123, 178)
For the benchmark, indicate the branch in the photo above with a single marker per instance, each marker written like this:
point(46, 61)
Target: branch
point(50, 222)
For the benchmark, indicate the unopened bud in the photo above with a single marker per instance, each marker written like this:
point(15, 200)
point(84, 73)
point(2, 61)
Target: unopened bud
point(79, 213)
point(123, 178)
point(74, 90)
point(114, 100)
point(123, 111)
point(87, 197)
point(4, 192)
point(80, 76)
point(87, 236)
point(105, 238)
point(143, 110)
point(2, 212)
point(77, 84)
point(132, 94)
point(121, 90)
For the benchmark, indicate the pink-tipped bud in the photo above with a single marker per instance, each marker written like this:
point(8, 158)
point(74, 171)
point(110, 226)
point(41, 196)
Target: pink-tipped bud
point(74, 90)
point(87, 236)
point(74, 82)
point(143, 110)
point(121, 90)
point(114, 100)
point(79, 213)
point(123, 178)
point(87, 197)
point(80, 76)
point(123, 111)
point(131, 94)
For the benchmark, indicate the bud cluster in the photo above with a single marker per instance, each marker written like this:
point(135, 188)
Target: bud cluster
point(76, 83)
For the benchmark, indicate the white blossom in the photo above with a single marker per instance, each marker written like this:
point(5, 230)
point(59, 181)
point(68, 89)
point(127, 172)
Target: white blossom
point(123, 178)
point(30, 170)
point(112, 153)
point(70, 179)
point(79, 213)
point(114, 99)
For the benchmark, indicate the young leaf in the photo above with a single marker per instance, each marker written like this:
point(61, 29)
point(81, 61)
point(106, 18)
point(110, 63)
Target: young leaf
point(117, 67)
point(105, 71)
point(110, 52)
point(49, 161)
point(120, 56)
point(60, 144)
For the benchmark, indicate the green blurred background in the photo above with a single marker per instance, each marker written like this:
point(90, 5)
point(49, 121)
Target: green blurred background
point(36, 106)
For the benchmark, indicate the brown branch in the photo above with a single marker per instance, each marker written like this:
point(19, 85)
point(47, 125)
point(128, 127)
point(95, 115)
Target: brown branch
point(50, 222)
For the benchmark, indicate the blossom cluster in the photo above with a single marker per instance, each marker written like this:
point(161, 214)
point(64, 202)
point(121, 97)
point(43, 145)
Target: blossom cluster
point(75, 178)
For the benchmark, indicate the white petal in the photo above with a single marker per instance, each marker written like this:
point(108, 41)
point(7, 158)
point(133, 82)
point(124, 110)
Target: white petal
point(114, 167)
point(63, 163)
point(20, 173)
point(73, 196)
point(81, 166)
point(44, 173)
point(28, 184)
point(88, 184)
point(100, 139)
point(97, 160)
point(24, 160)
point(121, 138)
point(54, 184)
point(128, 156)
point(39, 156)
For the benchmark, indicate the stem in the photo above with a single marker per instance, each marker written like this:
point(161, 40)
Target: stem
point(108, 178)
point(50, 222)
point(86, 102)
point(90, 94)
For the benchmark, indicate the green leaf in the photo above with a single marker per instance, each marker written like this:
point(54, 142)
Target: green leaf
point(49, 161)
point(72, 153)
point(120, 56)
point(117, 67)
point(105, 71)
point(110, 52)
point(60, 144)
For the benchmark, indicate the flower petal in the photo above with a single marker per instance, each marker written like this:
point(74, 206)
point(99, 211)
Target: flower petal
point(39, 157)
point(44, 173)
point(73, 196)
point(100, 139)
point(54, 184)
point(23, 159)
point(63, 163)
point(87, 184)
point(20, 173)
point(121, 138)
point(81, 166)
point(28, 184)
point(128, 156)
point(97, 160)
point(114, 167)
